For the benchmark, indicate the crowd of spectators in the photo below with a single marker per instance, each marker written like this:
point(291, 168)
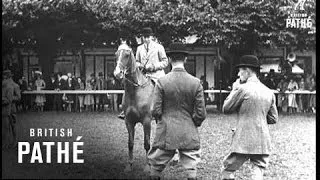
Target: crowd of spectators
point(292, 103)
point(70, 102)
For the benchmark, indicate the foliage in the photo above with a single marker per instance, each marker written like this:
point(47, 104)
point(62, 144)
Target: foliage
point(95, 21)
point(51, 25)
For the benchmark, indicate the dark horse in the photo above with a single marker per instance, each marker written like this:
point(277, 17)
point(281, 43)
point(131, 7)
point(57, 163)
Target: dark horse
point(138, 98)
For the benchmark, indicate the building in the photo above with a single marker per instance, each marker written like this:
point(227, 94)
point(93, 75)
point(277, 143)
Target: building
point(203, 60)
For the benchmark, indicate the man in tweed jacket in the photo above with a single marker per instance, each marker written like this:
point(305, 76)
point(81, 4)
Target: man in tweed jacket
point(179, 109)
point(255, 105)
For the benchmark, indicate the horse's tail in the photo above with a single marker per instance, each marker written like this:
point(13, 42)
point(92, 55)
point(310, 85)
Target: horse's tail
point(132, 113)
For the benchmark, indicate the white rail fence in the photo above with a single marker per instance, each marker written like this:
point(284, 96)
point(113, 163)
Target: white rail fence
point(122, 91)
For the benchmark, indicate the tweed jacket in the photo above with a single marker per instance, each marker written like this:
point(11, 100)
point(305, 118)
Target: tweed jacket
point(179, 108)
point(153, 54)
point(255, 105)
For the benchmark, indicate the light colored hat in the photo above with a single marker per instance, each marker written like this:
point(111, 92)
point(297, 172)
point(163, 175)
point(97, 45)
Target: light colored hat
point(38, 72)
point(65, 77)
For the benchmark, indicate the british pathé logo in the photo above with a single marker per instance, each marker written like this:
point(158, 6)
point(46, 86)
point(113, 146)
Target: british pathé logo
point(300, 5)
point(298, 14)
point(62, 149)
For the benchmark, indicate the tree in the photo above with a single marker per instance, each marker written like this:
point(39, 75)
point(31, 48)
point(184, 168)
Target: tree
point(47, 27)
point(243, 26)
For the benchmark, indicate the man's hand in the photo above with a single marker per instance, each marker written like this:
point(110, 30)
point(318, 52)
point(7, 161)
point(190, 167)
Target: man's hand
point(236, 84)
point(150, 67)
point(139, 65)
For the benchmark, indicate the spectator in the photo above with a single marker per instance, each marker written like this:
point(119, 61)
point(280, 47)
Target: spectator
point(312, 97)
point(30, 98)
point(211, 95)
point(88, 98)
point(282, 97)
point(23, 87)
point(100, 85)
point(70, 97)
point(205, 86)
point(60, 84)
point(272, 73)
point(50, 97)
point(93, 83)
point(106, 100)
point(40, 99)
point(302, 99)
point(270, 82)
point(263, 78)
point(112, 84)
point(80, 86)
point(292, 102)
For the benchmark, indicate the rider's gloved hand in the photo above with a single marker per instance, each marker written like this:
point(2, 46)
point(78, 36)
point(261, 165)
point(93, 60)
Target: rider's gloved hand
point(150, 67)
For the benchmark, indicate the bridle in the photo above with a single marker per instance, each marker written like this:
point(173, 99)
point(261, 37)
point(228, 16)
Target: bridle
point(125, 72)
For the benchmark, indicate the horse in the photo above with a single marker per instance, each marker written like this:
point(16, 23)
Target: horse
point(138, 99)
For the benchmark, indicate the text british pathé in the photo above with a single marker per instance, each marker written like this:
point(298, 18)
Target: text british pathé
point(62, 148)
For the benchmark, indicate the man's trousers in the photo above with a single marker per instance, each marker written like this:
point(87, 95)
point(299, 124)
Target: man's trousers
point(159, 158)
point(235, 160)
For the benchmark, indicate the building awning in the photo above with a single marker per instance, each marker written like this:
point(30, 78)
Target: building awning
point(265, 68)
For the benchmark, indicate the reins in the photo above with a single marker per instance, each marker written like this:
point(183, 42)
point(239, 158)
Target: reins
point(125, 72)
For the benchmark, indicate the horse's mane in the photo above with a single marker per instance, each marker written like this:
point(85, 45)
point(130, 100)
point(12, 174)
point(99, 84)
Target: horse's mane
point(134, 72)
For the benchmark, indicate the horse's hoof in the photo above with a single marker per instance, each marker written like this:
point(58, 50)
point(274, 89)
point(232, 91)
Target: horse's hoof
point(128, 168)
point(146, 169)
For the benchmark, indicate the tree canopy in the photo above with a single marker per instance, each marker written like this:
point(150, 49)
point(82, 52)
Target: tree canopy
point(93, 22)
point(51, 25)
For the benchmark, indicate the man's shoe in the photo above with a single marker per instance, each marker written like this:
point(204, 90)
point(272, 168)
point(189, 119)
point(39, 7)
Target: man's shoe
point(121, 115)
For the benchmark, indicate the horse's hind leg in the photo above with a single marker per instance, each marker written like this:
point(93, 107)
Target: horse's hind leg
point(147, 132)
point(130, 127)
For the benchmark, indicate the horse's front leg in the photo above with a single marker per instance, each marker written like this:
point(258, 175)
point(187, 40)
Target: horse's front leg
point(130, 127)
point(147, 132)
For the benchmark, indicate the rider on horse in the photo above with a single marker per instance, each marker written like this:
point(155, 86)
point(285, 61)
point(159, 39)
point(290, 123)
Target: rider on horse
point(150, 57)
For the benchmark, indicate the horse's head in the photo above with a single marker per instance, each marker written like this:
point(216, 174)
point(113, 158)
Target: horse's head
point(125, 61)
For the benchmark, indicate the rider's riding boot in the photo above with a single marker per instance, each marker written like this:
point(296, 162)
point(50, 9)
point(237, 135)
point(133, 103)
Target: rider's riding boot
point(121, 115)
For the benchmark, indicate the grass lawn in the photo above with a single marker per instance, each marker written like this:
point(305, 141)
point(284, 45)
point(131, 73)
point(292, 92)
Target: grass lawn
point(105, 148)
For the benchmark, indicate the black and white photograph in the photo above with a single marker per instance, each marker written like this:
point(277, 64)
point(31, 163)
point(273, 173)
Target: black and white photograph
point(159, 89)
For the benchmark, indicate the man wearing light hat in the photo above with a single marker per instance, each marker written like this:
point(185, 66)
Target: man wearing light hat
point(255, 105)
point(151, 57)
point(179, 108)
